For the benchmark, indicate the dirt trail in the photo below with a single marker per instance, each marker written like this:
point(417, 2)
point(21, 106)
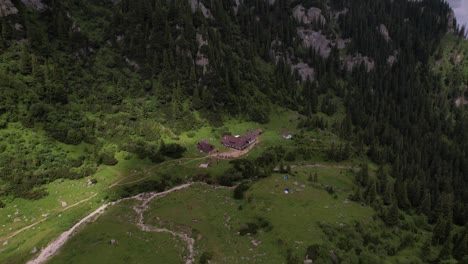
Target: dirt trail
point(42, 220)
point(145, 198)
point(143, 207)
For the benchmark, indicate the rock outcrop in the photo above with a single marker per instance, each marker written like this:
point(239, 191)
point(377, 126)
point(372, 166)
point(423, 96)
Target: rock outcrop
point(35, 4)
point(201, 59)
point(304, 71)
point(308, 16)
point(450, 22)
point(350, 62)
point(316, 40)
point(7, 8)
point(384, 32)
point(198, 5)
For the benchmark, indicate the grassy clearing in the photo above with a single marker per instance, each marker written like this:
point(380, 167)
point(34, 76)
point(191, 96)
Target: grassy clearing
point(294, 217)
point(130, 170)
point(54, 218)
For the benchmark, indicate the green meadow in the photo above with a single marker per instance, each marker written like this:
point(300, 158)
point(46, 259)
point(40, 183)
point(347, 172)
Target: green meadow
point(282, 224)
point(213, 218)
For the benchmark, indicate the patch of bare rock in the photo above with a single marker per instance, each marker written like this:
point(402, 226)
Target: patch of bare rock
point(7, 8)
point(308, 16)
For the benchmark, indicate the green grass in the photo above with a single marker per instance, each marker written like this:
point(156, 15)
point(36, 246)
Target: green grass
point(203, 212)
point(294, 217)
point(93, 243)
point(133, 170)
point(57, 219)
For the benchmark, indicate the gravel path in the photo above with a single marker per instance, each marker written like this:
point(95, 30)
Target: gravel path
point(140, 209)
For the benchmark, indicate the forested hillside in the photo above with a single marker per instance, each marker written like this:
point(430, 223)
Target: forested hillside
point(81, 80)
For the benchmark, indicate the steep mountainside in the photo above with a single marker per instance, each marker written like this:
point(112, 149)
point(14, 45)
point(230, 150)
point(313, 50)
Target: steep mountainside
point(82, 80)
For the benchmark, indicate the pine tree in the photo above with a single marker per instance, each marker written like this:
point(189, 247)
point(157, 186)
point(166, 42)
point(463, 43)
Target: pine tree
point(371, 194)
point(425, 206)
point(439, 231)
point(392, 216)
point(25, 60)
point(388, 196)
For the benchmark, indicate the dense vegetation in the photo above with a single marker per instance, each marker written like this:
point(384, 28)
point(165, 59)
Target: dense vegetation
point(98, 77)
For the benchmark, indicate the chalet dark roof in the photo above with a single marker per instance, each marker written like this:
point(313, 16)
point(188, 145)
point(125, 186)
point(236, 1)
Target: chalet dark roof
point(235, 142)
point(205, 146)
point(255, 133)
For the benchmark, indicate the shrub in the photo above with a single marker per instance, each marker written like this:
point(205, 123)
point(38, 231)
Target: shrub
point(248, 228)
point(240, 190)
point(206, 257)
point(172, 150)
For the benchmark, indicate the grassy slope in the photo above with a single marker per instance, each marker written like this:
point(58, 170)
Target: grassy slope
point(127, 172)
point(93, 243)
point(204, 212)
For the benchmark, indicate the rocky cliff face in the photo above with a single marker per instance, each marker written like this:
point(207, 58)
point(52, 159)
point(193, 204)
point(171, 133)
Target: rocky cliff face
point(7, 8)
point(35, 4)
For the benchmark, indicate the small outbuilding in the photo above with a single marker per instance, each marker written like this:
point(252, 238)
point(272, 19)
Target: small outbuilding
point(286, 135)
point(204, 165)
point(204, 146)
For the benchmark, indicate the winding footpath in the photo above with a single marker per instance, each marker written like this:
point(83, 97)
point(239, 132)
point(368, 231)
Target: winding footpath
point(143, 207)
point(145, 198)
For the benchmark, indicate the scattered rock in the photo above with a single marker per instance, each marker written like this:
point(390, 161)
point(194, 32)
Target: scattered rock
point(391, 60)
point(202, 61)
point(384, 32)
point(334, 257)
point(296, 183)
point(460, 101)
point(337, 14)
point(17, 219)
point(255, 243)
point(64, 204)
point(135, 65)
point(113, 241)
point(341, 43)
point(34, 250)
point(89, 182)
point(18, 27)
point(5, 243)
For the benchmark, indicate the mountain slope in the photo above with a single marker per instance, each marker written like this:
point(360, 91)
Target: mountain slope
point(85, 80)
